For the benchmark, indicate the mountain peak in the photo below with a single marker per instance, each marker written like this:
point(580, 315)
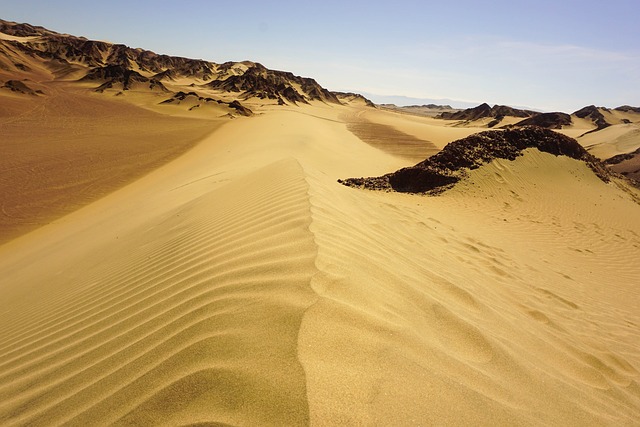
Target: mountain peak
point(119, 67)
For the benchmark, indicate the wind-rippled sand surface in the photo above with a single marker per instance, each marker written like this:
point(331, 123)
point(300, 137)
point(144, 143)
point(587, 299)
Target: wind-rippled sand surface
point(240, 284)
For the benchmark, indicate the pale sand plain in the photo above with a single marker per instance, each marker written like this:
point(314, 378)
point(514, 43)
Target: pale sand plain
point(240, 284)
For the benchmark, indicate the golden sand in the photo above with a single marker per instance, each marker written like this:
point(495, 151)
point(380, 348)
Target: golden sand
point(240, 284)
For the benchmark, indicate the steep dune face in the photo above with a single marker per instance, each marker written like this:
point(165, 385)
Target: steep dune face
point(67, 148)
point(241, 284)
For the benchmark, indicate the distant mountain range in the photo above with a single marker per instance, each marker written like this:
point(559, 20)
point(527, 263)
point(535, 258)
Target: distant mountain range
point(32, 53)
point(555, 120)
point(403, 101)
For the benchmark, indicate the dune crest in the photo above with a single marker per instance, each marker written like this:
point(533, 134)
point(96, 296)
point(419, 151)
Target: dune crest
point(204, 313)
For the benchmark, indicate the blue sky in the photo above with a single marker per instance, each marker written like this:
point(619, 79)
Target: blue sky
point(550, 55)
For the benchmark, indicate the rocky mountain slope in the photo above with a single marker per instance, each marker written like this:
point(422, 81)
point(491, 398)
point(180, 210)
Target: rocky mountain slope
point(29, 52)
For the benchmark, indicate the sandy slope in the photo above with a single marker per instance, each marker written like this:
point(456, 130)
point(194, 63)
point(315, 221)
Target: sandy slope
point(67, 148)
point(614, 140)
point(241, 285)
point(438, 132)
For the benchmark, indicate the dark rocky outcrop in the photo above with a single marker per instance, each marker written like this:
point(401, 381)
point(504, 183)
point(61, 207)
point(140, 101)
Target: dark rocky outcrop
point(22, 30)
point(547, 120)
point(442, 170)
point(593, 113)
point(628, 109)
point(166, 75)
point(350, 96)
point(115, 64)
point(113, 74)
point(481, 111)
point(181, 96)
point(20, 87)
point(484, 111)
point(258, 81)
point(240, 109)
point(622, 157)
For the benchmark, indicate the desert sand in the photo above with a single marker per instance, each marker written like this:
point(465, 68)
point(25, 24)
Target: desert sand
point(181, 264)
point(70, 147)
point(241, 284)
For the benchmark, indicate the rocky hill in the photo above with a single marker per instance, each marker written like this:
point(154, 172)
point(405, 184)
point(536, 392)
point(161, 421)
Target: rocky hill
point(119, 67)
point(627, 109)
point(263, 83)
point(594, 114)
point(547, 120)
point(554, 120)
point(442, 170)
point(20, 87)
point(486, 111)
point(350, 97)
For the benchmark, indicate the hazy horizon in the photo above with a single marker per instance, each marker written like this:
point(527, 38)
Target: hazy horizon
point(547, 55)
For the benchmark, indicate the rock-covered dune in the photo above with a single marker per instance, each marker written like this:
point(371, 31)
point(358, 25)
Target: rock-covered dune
point(485, 110)
point(448, 166)
point(594, 114)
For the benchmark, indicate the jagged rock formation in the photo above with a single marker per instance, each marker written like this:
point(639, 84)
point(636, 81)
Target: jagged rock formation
point(484, 111)
point(120, 67)
point(622, 157)
point(547, 120)
point(22, 30)
point(350, 97)
point(114, 74)
point(182, 96)
point(263, 83)
point(594, 114)
point(240, 109)
point(442, 170)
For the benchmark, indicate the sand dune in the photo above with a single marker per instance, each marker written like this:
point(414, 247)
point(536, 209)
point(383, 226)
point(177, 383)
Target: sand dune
point(162, 264)
point(69, 148)
point(240, 284)
point(183, 304)
point(438, 132)
point(614, 140)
